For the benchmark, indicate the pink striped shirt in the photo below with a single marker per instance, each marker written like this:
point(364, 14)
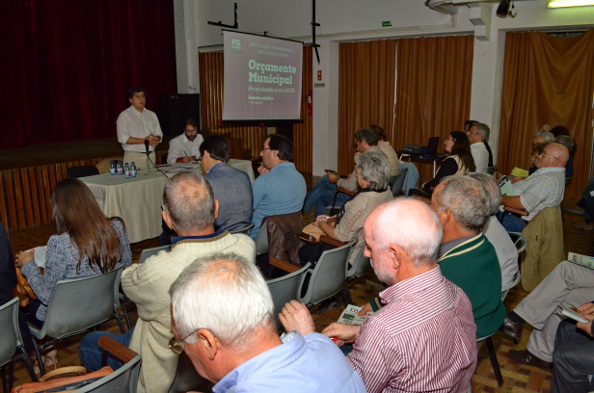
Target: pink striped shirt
point(422, 340)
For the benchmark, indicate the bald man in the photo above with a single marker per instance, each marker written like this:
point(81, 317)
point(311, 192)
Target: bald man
point(544, 188)
point(415, 342)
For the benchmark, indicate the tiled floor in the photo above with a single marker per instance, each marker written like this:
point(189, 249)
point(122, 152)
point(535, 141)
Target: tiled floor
point(517, 379)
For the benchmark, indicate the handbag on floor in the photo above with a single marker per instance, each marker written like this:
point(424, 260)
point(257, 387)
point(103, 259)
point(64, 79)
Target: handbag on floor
point(63, 384)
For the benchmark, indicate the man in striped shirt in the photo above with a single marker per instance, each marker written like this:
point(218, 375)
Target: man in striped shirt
point(423, 339)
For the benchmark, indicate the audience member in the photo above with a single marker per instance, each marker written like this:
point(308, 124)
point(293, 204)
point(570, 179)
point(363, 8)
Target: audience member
point(415, 343)
point(569, 143)
point(190, 209)
point(544, 188)
point(184, 148)
point(222, 312)
point(324, 193)
point(559, 130)
point(231, 187)
point(373, 175)
point(468, 124)
point(138, 129)
point(542, 137)
point(506, 251)
point(573, 362)
point(467, 258)
point(539, 140)
point(283, 189)
point(386, 148)
point(569, 284)
point(458, 162)
point(87, 244)
point(478, 136)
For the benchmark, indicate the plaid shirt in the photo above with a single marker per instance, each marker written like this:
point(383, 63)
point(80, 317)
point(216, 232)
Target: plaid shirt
point(544, 188)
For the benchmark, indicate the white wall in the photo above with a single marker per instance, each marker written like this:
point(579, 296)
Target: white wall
point(351, 20)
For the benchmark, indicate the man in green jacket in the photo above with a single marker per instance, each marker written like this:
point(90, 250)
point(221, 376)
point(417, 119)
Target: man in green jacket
point(467, 258)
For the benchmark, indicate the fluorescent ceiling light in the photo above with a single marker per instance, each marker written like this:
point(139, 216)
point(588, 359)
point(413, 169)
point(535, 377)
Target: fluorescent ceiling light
point(569, 3)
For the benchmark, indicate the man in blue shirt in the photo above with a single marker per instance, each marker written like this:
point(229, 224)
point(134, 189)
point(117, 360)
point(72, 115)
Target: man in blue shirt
point(283, 189)
point(223, 313)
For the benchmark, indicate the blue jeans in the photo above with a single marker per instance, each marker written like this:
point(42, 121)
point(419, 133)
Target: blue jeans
point(573, 360)
point(512, 223)
point(322, 195)
point(90, 353)
point(587, 200)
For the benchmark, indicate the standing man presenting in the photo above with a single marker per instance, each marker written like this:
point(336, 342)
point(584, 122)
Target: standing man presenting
point(138, 129)
point(185, 147)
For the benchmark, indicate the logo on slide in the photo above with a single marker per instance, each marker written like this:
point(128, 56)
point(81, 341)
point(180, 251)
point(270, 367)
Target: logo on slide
point(235, 44)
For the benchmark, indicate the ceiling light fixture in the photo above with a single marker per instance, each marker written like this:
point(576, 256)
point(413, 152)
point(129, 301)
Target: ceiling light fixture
point(569, 3)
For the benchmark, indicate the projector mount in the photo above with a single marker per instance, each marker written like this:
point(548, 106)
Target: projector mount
point(314, 24)
point(221, 24)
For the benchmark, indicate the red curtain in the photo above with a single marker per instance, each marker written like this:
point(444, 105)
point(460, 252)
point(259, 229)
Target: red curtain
point(66, 65)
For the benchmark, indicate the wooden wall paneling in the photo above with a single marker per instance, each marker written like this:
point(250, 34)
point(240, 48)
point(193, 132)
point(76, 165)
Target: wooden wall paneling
point(27, 198)
point(3, 205)
point(35, 197)
point(47, 189)
point(12, 220)
point(42, 200)
point(18, 198)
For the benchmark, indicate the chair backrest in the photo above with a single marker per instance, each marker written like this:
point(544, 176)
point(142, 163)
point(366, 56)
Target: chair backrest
point(149, 252)
point(123, 380)
point(283, 232)
point(285, 288)
point(9, 339)
point(262, 239)
point(519, 241)
point(79, 304)
point(327, 277)
point(246, 230)
point(82, 171)
point(359, 265)
point(399, 182)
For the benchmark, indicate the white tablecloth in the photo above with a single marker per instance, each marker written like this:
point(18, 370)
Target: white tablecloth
point(138, 200)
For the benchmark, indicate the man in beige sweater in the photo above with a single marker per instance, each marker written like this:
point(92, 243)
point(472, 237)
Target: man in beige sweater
point(190, 209)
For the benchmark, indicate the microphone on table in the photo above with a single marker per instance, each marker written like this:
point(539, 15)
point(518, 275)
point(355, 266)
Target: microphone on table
point(146, 145)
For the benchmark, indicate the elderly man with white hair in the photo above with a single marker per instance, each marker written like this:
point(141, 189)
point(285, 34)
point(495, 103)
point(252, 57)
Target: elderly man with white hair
point(544, 188)
point(506, 251)
point(222, 311)
point(478, 136)
point(416, 342)
point(467, 258)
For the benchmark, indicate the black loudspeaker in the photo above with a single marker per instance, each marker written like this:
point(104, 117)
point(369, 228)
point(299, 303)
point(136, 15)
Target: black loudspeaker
point(174, 109)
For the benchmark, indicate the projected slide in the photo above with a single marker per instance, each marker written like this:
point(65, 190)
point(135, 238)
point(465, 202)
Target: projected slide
point(262, 78)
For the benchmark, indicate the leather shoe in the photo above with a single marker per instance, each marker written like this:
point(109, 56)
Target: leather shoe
point(512, 329)
point(584, 225)
point(528, 359)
